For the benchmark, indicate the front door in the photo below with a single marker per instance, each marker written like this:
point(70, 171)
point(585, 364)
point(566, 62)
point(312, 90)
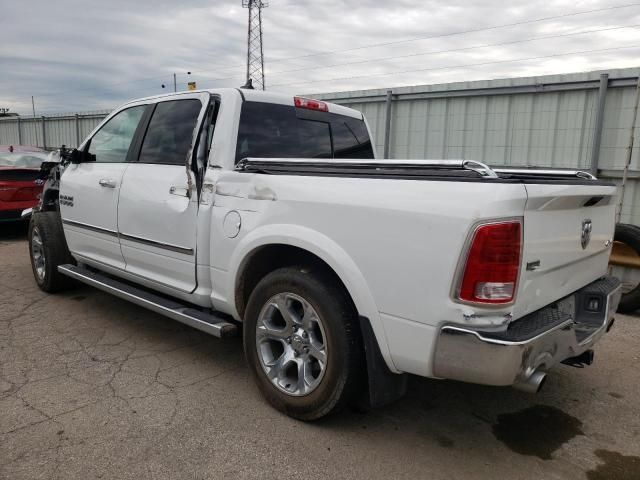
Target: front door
point(89, 191)
point(158, 204)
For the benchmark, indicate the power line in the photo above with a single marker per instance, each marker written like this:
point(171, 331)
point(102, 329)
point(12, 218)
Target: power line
point(331, 52)
point(378, 59)
point(460, 32)
point(448, 34)
point(450, 67)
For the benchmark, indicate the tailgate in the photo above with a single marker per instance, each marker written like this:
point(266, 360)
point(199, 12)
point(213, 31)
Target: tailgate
point(568, 231)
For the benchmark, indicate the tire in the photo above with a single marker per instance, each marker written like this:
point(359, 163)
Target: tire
point(47, 250)
point(630, 236)
point(336, 333)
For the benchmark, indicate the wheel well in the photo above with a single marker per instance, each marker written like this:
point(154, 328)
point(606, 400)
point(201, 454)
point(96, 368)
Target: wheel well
point(50, 199)
point(383, 386)
point(268, 258)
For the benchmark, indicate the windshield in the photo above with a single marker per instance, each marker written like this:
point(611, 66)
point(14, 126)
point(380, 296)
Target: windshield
point(24, 160)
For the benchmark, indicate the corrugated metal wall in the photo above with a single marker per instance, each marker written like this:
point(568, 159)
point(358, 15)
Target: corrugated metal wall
point(58, 129)
point(547, 121)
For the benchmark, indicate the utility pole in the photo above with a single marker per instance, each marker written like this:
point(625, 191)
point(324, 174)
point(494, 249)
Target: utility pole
point(255, 51)
point(33, 120)
point(175, 82)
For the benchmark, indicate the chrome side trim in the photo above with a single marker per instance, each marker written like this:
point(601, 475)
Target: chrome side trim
point(547, 171)
point(245, 163)
point(146, 241)
point(215, 326)
point(93, 228)
point(153, 243)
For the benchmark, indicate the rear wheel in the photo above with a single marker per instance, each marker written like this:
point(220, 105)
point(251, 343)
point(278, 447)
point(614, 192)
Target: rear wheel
point(626, 249)
point(48, 249)
point(302, 343)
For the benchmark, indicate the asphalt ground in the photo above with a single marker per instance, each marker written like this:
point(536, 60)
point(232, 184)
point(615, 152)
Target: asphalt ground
point(94, 387)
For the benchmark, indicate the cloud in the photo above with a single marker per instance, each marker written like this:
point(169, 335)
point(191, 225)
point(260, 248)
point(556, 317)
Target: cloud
point(76, 55)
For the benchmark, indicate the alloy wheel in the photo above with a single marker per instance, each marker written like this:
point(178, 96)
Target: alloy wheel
point(291, 344)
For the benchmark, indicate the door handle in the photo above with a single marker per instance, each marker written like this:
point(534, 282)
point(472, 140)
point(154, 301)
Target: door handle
point(180, 191)
point(107, 182)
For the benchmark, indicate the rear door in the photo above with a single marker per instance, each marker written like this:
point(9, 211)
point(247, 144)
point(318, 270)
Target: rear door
point(568, 231)
point(89, 191)
point(158, 204)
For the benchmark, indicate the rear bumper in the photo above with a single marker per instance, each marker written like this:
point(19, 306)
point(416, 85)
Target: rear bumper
point(11, 215)
point(535, 342)
point(15, 211)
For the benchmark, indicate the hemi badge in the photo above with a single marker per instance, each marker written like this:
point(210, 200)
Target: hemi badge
point(533, 265)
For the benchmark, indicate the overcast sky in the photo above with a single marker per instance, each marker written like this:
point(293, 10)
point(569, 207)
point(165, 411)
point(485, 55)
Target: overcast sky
point(79, 55)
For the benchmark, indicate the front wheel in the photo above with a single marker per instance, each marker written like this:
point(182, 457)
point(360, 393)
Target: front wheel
point(302, 342)
point(48, 249)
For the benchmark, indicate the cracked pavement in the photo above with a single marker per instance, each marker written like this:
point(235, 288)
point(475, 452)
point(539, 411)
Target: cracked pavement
point(94, 387)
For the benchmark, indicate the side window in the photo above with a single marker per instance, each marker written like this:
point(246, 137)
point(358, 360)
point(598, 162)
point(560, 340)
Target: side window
point(170, 132)
point(111, 143)
point(350, 138)
point(267, 130)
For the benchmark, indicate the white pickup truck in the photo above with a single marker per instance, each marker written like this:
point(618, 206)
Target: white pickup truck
point(230, 207)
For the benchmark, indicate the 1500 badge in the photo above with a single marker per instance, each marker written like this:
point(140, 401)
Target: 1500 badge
point(66, 200)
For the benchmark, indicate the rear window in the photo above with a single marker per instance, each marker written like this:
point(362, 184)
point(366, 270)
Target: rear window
point(269, 130)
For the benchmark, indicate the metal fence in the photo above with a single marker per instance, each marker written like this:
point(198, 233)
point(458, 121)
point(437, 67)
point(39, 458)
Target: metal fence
point(49, 131)
point(574, 121)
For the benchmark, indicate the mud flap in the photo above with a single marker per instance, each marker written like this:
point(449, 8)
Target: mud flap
point(384, 386)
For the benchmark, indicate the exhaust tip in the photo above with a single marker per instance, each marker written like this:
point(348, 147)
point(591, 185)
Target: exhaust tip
point(533, 384)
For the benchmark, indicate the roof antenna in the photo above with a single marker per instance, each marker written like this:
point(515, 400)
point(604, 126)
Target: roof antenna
point(248, 85)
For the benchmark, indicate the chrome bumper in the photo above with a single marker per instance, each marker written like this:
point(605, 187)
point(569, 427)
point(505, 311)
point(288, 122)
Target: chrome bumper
point(533, 343)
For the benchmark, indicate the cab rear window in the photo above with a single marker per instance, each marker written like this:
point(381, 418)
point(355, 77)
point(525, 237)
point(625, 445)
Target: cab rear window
point(269, 130)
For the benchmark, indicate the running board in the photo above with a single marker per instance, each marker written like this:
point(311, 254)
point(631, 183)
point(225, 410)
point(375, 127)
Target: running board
point(206, 322)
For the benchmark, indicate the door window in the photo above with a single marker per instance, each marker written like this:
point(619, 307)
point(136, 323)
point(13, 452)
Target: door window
point(111, 143)
point(170, 133)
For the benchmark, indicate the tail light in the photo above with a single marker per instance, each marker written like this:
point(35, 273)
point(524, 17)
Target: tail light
point(310, 104)
point(26, 193)
point(6, 193)
point(491, 271)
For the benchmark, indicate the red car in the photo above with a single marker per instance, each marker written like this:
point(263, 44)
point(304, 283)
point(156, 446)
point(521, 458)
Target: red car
point(19, 183)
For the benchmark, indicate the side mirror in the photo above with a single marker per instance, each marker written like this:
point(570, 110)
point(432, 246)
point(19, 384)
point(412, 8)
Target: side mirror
point(75, 156)
point(79, 156)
